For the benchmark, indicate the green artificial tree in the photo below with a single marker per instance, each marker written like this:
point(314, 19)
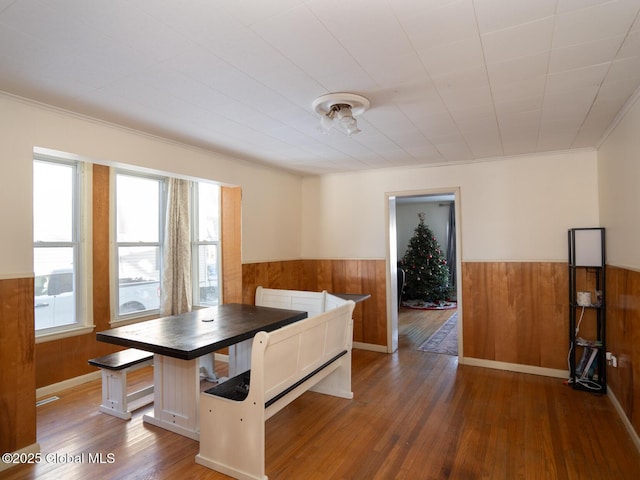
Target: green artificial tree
point(427, 273)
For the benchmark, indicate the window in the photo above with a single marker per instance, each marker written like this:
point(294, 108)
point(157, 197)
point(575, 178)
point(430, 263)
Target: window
point(206, 244)
point(139, 229)
point(139, 220)
point(61, 281)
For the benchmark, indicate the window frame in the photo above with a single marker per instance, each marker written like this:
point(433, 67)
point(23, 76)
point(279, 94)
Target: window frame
point(196, 243)
point(116, 317)
point(80, 242)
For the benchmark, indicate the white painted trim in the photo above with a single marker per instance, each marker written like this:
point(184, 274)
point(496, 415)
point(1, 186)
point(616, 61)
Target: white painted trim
point(370, 346)
point(33, 448)
point(391, 258)
point(320, 257)
point(514, 260)
point(619, 117)
point(624, 267)
point(449, 163)
point(16, 276)
point(623, 416)
point(71, 332)
point(140, 133)
point(514, 367)
point(221, 357)
point(65, 384)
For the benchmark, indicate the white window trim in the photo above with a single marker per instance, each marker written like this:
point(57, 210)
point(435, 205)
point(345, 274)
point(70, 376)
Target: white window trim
point(116, 319)
point(195, 243)
point(84, 287)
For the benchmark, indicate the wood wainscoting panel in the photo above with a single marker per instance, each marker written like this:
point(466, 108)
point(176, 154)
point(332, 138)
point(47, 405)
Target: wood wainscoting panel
point(516, 312)
point(17, 360)
point(101, 252)
point(231, 233)
point(337, 276)
point(623, 339)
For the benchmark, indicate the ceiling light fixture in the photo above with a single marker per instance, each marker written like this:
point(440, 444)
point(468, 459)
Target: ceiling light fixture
point(339, 110)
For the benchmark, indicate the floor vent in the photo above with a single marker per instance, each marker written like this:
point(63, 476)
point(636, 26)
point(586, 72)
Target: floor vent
point(46, 400)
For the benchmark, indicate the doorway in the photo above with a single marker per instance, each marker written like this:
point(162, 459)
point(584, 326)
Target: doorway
point(411, 327)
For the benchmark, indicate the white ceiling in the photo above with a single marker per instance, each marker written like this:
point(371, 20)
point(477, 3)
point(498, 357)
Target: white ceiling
point(448, 80)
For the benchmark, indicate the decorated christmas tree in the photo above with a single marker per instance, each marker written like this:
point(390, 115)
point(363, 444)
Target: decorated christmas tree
point(427, 273)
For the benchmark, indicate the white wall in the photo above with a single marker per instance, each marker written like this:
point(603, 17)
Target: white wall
point(619, 178)
point(436, 218)
point(271, 198)
point(516, 209)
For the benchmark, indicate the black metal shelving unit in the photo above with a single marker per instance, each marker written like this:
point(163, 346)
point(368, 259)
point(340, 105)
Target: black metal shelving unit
point(587, 273)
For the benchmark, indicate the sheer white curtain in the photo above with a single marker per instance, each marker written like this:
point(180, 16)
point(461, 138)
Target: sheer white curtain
point(176, 265)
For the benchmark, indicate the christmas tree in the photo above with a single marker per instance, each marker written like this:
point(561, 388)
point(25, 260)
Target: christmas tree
point(427, 273)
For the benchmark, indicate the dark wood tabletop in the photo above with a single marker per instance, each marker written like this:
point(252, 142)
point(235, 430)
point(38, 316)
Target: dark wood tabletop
point(192, 334)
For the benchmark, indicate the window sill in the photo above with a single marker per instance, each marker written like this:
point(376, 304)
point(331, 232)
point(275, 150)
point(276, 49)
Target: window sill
point(121, 322)
point(70, 332)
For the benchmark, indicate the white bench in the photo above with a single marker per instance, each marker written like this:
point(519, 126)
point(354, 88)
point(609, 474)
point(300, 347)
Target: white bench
point(311, 302)
point(115, 399)
point(311, 354)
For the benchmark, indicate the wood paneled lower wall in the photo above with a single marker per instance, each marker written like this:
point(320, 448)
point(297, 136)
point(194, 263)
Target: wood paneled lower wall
point(623, 339)
point(17, 365)
point(516, 312)
point(337, 276)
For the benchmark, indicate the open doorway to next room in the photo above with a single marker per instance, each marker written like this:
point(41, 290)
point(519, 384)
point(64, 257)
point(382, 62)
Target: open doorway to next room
point(424, 248)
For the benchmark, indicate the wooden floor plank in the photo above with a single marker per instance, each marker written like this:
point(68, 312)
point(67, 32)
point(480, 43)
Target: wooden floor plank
point(415, 415)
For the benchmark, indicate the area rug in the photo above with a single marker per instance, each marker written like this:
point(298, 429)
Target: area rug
point(422, 305)
point(445, 339)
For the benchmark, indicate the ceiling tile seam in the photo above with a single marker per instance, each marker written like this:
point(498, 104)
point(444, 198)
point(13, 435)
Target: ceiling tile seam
point(370, 77)
point(546, 76)
point(143, 133)
point(242, 72)
point(326, 90)
point(294, 65)
point(8, 6)
point(244, 125)
point(329, 32)
point(444, 103)
point(631, 100)
point(486, 72)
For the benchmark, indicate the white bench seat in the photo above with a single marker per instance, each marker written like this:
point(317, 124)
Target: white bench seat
point(311, 354)
point(114, 367)
point(313, 303)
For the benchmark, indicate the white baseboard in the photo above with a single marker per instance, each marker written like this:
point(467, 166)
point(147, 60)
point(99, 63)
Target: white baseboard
point(623, 417)
point(514, 367)
point(71, 382)
point(370, 346)
point(221, 357)
point(33, 448)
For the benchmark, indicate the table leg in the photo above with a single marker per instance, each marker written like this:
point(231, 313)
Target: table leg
point(176, 396)
point(240, 357)
point(208, 367)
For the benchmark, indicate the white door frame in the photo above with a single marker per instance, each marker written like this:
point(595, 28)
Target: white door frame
point(392, 261)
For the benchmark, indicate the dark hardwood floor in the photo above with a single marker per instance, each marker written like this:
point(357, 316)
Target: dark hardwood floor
point(415, 415)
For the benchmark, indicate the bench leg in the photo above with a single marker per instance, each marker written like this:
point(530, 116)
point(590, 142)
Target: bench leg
point(115, 399)
point(338, 382)
point(114, 394)
point(232, 438)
